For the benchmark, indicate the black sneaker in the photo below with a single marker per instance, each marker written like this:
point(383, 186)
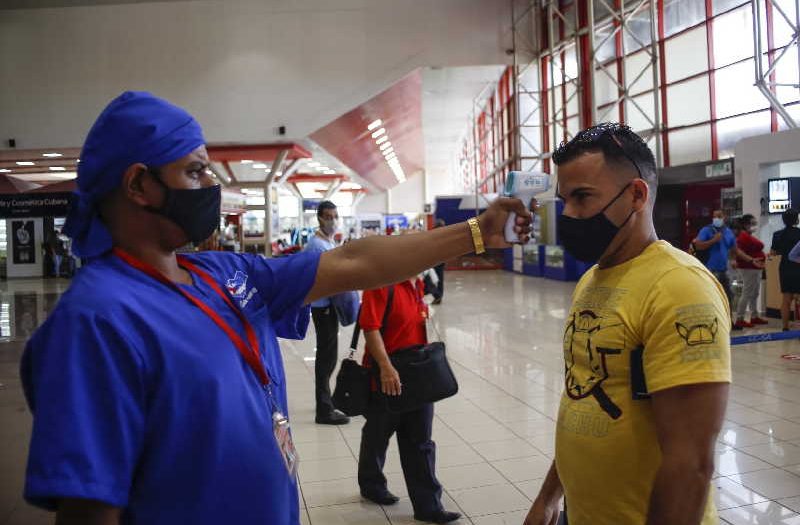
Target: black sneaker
point(382, 497)
point(441, 516)
point(334, 417)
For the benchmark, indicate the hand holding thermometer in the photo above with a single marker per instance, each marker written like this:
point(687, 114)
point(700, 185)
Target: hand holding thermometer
point(523, 185)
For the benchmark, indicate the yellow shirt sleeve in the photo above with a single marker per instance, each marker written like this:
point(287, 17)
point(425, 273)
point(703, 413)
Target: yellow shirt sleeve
point(686, 331)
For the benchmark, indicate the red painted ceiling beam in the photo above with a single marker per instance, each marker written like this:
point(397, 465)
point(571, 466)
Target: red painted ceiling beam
point(305, 177)
point(255, 152)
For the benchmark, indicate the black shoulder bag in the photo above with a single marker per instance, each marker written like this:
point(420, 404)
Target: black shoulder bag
point(353, 382)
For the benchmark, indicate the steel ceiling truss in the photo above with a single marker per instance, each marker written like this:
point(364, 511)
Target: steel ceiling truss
point(621, 15)
point(544, 47)
point(765, 78)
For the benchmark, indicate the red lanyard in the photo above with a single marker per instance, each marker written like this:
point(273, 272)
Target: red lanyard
point(250, 353)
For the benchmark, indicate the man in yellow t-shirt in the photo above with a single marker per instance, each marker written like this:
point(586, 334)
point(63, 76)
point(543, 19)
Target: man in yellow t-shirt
point(646, 352)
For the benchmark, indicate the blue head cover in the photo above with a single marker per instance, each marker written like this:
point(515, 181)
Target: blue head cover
point(135, 127)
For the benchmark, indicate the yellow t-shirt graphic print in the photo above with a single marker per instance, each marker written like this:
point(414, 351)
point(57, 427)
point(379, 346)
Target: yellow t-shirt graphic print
point(658, 321)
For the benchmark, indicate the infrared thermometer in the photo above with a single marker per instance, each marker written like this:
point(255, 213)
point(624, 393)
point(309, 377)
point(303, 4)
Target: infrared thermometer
point(523, 185)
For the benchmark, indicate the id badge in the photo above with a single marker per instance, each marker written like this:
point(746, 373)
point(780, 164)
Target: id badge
point(283, 437)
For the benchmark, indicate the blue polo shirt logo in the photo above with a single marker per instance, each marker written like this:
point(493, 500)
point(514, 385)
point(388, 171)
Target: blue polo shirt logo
point(237, 286)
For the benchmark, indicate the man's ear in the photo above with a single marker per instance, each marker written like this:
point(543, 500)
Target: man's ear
point(641, 194)
point(138, 186)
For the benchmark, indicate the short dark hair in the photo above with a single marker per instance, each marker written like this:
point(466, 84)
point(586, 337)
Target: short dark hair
point(746, 219)
point(619, 145)
point(325, 205)
point(790, 217)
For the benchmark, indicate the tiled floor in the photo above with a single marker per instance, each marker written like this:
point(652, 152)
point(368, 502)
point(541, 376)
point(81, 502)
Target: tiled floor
point(495, 439)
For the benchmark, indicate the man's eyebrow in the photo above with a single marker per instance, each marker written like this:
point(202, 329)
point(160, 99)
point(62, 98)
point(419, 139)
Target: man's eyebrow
point(197, 165)
point(574, 191)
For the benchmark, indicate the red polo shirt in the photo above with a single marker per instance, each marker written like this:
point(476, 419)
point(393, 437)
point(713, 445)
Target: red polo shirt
point(752, 247)
point(405, 325)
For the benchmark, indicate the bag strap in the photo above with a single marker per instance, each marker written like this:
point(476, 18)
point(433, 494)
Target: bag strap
point(357, 329)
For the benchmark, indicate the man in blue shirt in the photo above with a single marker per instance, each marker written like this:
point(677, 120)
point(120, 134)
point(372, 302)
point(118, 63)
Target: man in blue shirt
point(157, 386)
point(720, 242)
point(326, 323)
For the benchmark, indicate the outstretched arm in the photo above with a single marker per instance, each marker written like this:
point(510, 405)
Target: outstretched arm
point(379, 261)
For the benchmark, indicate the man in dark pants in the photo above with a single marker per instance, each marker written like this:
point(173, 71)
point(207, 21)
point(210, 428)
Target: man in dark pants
point(326, 323)
point(417, 457)
point(439, 269)
point(393, 318)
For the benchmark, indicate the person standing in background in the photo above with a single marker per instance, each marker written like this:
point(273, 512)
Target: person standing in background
point(751, 270)
point(393, 318)
point(720, 242)
point(326, 323)
point(438, 294)
point(782, 243)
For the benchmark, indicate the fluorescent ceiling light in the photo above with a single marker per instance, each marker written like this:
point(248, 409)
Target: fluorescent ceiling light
point(57, 168)
point(391, 156)
point(313, 164)
point(322, 168)
point(386, 145)
point(378, 133)
point(388, 151)
point(259, 166)
point(246, 161)
point(374, 124)
point(329, 172)
point(52, 155)
point(4, 170)
point(25, 163)
point(382, 139)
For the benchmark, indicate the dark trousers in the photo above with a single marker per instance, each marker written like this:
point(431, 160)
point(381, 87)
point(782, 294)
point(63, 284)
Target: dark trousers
point(439, 269)
point(326, 325)
point(725, 281)
point(417, 455)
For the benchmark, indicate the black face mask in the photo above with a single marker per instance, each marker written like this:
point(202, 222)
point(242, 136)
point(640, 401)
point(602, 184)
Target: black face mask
point(587, 239)
point(195, 211)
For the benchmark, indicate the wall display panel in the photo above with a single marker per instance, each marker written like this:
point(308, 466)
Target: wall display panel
point(680, 14)
point(735, 91)
point(690, 145)
point(732, 130)
point(686, 54)
point(634, 64)
point(636, 119)
point(688, 102)
point(732, 41)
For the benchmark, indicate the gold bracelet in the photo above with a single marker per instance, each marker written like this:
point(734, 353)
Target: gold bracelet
point(477, 237)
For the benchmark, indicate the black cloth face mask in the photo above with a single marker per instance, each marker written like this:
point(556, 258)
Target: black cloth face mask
point(195, 211)
point(587, 239)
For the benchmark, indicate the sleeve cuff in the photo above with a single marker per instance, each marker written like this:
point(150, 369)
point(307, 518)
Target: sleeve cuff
point(689, 379)
point(45, 493)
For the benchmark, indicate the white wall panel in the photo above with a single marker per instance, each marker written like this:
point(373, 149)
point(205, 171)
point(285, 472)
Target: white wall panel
point(242, 66)
point(686, 54)
point(688, 102)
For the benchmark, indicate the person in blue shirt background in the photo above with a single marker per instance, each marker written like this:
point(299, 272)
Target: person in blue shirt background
point(720, 241)
point(326, 323)
point(156, 385)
